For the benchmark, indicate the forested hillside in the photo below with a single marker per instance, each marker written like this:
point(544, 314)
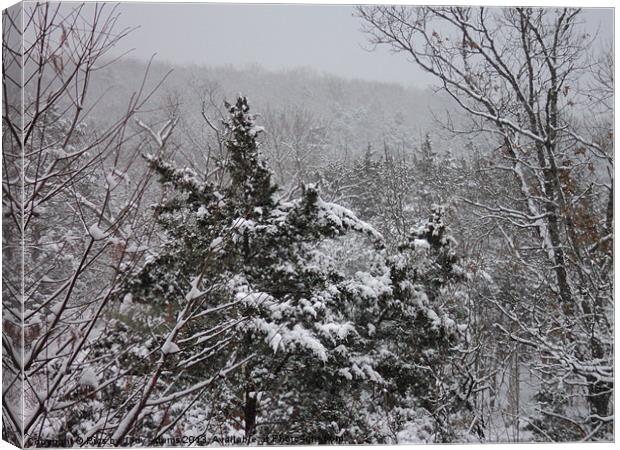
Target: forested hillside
point(221, 255)
point(337, 117)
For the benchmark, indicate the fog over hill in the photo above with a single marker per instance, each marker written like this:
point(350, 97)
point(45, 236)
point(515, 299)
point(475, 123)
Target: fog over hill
point(357, 112)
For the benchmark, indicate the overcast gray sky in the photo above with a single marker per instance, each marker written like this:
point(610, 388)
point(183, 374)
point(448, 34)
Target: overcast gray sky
point(324, 37)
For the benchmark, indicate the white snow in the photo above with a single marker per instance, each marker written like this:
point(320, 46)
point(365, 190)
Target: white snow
point(126, 303)
point(346, 373)
point(96, 232)
point(486, 276)
point(111, 181)
point(275, 342)
point(202, 212)
point(89, 378)
point(341, 330)
point(310, 310)
point(281, 337)
point(434, 318)
point(421, 244)
point(370, 286)
point(304, 338)
point(217, 242)
point(170, 348)
point(56, 308)
point(194, 292)
point(343, 218)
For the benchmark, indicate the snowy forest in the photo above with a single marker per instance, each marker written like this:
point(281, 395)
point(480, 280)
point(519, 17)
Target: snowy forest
point(219, 255)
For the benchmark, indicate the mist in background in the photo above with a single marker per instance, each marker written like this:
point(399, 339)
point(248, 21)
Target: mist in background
point(326, 38)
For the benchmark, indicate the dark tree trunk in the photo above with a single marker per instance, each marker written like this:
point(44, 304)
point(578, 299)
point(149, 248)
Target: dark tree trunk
point(249, 413)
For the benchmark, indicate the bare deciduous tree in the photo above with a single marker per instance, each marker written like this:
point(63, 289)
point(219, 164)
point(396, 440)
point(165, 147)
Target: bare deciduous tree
point(518, 74)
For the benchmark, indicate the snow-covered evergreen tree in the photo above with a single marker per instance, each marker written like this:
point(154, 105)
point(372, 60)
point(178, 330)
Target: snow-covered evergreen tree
point(313, 338)
point(258, 261)
point(418, 347)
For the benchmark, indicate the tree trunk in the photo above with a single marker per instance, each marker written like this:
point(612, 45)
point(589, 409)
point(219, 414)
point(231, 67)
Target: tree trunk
point(249, 413)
